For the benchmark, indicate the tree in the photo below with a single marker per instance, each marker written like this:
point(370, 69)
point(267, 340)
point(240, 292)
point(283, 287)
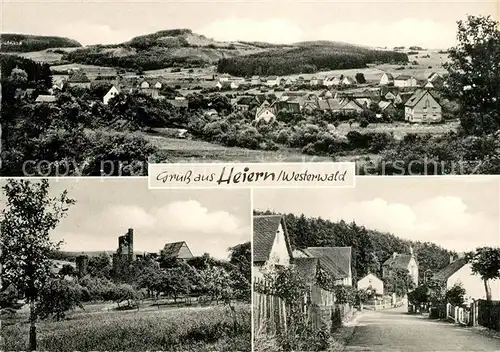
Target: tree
point(399, 282)
point(360, 78)
point(58, 297)
point(67, 270)
point(26, 222)
point(456, 295)
point(485, 262)
point(474, 74)
point(19, 77)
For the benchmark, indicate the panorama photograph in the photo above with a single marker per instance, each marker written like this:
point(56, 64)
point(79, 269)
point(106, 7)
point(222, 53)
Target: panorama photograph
point(400, 88)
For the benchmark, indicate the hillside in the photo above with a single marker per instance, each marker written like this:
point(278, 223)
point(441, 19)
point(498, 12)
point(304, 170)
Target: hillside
point(11, 42)
point(182, 47)
point(370, 248)
point(177, 47)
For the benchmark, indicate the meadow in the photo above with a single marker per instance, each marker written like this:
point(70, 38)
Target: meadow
point(151, 328)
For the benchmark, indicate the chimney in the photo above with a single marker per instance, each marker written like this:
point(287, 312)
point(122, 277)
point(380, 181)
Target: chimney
point(394, 255)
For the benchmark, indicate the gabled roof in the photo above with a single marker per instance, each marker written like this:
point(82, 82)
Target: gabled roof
point(384, 105)
point(171, 250)
point(45, 99)
point(417, 96)
point(265, 228)
point(335, 260)
point(445, 273)
point(79, 77)
point(404, 77)
point(307, 268)
point(398, 261)
point(389, 75)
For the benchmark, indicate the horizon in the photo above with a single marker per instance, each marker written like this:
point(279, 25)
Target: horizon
point(373, 24)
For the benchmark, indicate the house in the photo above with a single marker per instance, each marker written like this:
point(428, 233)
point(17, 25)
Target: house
point(266, 113)
point(224, 78)
point(223, 85)
point(337, 261)
point(348, 81)
point(289, 81)
point(144, 85)
point(273, 81)
point(79, 79)
point(177, 251)
point(316, 81)
point(423, 107)
point(211, 113)
point(403, 261)
point(349, 105)
point(387, 107)
point(158, 85)
point(373, 282)
point(271, 246)
point(235, 84)
point(112, 92)
point(328, 81)
point(435, 80)
point(386, 79)
point(405, 81)
point(255, 81)
point(42, 98)
point(459, 271)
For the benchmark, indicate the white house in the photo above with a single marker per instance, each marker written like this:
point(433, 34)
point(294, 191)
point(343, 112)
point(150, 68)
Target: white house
point(348, 81)
point(460, 272)
point(144, 85)
point(271, 245)
point(158, 85)
point(371, 281)
point(112, 92)
point(255, 81)
point(266, 113)
point(402, 261)
point(404, 81)
point(423, 107)
point(273, 81)
point(386, 79)
point(225, 77)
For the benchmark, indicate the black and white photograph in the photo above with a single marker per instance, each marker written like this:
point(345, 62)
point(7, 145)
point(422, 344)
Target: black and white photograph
point(108, 265)
point(400, 88)
point(395, 264)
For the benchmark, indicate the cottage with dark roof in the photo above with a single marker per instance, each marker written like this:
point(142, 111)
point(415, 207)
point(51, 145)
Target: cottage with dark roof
point(79, 79)
point(422, 106)
point(177, 250)
point(459, 271)
point(271, 246)
point(337, 261)
point(402, 261)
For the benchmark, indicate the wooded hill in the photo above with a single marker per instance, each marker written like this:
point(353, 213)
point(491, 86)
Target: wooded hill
point(370, 248)
point(11, 42)
point(182, 47)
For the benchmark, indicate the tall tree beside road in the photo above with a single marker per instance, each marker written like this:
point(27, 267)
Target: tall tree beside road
point(31, 213)
point(485, 262)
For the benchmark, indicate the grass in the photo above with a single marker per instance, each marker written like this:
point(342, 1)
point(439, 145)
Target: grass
point(180, 329)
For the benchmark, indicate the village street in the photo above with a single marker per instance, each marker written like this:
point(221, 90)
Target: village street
point(395, 330)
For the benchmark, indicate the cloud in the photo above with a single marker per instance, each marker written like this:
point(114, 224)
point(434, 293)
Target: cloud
point(245, 29)
point(444, 220)
point(90, 33)
point(405, 32)
point(204, 230)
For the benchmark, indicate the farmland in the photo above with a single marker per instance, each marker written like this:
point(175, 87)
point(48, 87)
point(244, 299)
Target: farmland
point(149, 328)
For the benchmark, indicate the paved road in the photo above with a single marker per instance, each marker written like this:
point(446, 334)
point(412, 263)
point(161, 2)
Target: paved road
point(396, 331)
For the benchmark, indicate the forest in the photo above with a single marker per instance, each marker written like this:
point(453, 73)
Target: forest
point(370, 248)
point(26, 43)
point(308, 58)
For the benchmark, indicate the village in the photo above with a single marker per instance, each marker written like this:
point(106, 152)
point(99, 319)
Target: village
point(417, 98)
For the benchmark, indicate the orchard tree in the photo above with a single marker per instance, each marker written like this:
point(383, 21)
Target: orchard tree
point(474, 74)
point(485, 262)
point(25, 225)
point(58, 297)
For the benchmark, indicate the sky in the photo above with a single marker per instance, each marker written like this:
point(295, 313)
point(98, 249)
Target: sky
point(431, 24)
point(208, 220)
point(458, 214)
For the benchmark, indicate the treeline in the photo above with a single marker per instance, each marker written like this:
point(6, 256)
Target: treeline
point(305, 60)
point(370, 248)
point(25, 43)
point(36, 72)
point(174, 39)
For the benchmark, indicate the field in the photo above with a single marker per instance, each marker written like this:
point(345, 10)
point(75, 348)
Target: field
point(151, 328)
